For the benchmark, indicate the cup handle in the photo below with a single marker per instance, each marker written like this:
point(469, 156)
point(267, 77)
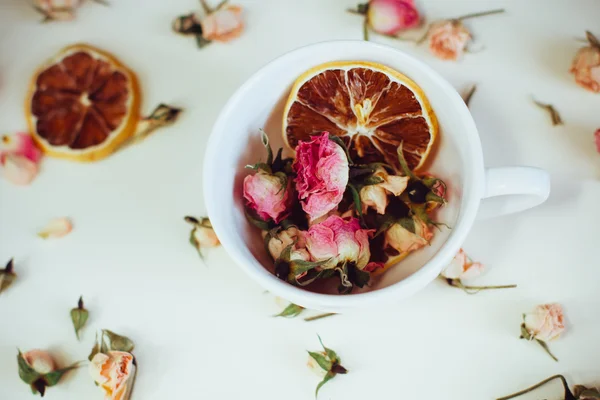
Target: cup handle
point(515, 189)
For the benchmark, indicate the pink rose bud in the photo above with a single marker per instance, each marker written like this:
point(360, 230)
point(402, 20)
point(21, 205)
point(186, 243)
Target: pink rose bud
point(18, 169)
point(376, 196)
point(586, 65)
point(597, 140)
point(545, 323)
point(56, 228)
point(265, 194)
point(448, 39)
point(40, 361)
point(389, 17)
point(60, 10)
point(403, 240)
point(341, 240)
point(462, 267)
point(20, 144)
point(322, 174)
point(224, 24)
point(114, 373)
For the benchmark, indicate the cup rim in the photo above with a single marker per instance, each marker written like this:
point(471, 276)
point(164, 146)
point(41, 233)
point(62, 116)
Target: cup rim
point(473, 178)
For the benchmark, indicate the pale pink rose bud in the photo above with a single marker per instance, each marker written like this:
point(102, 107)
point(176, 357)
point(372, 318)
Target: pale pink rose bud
point(18, 169)
point(20, 144)
point(61, 10)
point(56, 228)
point(448, 39)
point(462, 267)
point(114, 373)
point(41, 361)
point(376, 196)
point(322, 175)
point(586, 68)
point(224, 24)
point(389, 17)
point(546, 322)
point(265, 194)
point(597, 140)
point(205, 237)
point(403, 240)
point(340, 241)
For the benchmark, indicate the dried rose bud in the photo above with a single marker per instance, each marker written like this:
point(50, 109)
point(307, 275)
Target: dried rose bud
point(56, 228)
point(223, 24)
point(38, 369)
point(202, 234)
point(19, 158)
point(376, 196)
point(408, 234)
point(579, 392)
point(7, 276)
point(586, 65)
point(544, 324)
point(187, 25)
point(79, 316)
point(326, 364)
point(59, 10)
point(114, 372)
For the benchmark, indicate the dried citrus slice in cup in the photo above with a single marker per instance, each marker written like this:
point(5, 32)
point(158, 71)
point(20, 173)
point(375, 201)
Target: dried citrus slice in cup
point(371, 107)
point(82, 104)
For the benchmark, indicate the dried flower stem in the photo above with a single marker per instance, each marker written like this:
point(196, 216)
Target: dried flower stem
point(546, 349)
point(316, 317)
point(592, 39)
point(568, 394)
point(467, 97)
point(366, 30)
point(480, 14)
point(554, 115)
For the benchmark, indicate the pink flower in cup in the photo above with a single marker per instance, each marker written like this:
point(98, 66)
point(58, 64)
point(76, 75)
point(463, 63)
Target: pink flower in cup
point(265, 194)
point(389, 17)
point(448, 39)
point(404, 240)
point(340, 241)
point(322, 174)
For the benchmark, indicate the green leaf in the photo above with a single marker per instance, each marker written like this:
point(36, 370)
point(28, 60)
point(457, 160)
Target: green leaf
point(321, 360)
point(330, 353)
point(54, 377)
point(356, 199)
point(117, 342)
point(256, 220)
point(265, 141)
point(79, 316)
point(408, 224)
point(26, 373)
point(403, 162)
point(372, 180)
point(341, 143)
point(300, 266)
point(327, 378)
point(286, 253)
point(7, 276)
point(96, 349)
point(291, 311)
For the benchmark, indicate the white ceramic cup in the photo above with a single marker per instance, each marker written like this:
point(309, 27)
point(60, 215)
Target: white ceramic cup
point(258, 103)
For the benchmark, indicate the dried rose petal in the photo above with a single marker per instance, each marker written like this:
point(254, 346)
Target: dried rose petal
point(56, 228)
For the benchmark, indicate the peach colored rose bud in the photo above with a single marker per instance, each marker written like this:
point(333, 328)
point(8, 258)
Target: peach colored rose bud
point(462, 267)
point(18, 169)
point(290, 236)
point(404, 240)
point(586, 68)
point(389, 17)
point(61, 10)
point(376, 196)
point(448, 39)
point(206, 237)
point(114, 373)
point(224, 24)
point(56, 228)
point(545, 323)
point(41, 361)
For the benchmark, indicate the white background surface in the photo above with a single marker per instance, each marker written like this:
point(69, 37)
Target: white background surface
point(204, 331)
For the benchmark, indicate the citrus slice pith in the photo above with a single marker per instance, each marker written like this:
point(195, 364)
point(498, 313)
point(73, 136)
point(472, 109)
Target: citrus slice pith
point(82, 104)
point(371, 107)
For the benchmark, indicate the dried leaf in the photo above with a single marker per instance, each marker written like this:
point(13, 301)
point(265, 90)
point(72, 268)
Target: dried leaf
point(79, 316)
point(592, 39)
point(330, 353)
point(554, 115)
point(322, 360)
point(110, 341)
point(162, 115)
point(329, 376)
point(54, 377)
point(26, 373)
point(291, 311)
point(467, 97)
point(320, 316)
point(7, 276)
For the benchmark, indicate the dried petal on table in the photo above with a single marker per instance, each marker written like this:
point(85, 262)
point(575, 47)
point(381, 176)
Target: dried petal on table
point(586, 65)
point(7, 276)
point(545, 323)
point(79, 316)
point(38, 369)
point(56, 228)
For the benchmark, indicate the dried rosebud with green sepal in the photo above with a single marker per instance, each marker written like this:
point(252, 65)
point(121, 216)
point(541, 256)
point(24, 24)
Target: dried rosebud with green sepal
point(325, 363)
point(463, 268)
point(579, 392)
point(38, 369)
point(7, 276)
point(79, 316)
point(202, 234)
point(545, 323)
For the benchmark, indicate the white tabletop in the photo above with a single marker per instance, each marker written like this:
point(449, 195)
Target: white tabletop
point(205, 331)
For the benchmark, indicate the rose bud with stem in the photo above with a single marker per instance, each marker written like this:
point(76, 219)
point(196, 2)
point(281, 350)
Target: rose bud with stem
point(579, 392)
point(544, 324)
point(38, 369)
point(325, 363)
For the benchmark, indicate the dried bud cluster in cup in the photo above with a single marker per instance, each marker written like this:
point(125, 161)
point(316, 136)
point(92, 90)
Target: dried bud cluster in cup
point(322, 216)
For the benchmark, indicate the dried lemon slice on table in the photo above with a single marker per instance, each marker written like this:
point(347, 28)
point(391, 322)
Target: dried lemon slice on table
point(83, 104)
point(371, 107)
